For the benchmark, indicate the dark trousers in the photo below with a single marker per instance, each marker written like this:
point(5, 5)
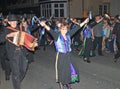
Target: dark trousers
point(7, 68)
point(97, 43)
point(111, 46)
point(88, 47)
point(42, 41)
point(18, 66)
point(117, 55)
point(30, 56)
point(2, 56)
point(5, 63)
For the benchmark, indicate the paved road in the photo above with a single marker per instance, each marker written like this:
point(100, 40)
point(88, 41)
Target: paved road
point(101, 73)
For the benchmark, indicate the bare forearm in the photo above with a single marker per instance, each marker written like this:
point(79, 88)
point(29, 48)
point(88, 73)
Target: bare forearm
point(81, 24)
point(47, 27)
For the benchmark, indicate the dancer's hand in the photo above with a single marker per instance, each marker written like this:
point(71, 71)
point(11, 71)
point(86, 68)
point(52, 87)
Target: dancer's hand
point(86, 20)
point(42, 23)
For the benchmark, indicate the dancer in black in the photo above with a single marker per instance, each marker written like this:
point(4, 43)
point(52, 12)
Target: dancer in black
point(66, 70)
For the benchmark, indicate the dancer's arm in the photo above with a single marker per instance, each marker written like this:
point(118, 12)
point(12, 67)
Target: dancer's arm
point(52, 32)
point(78, 27)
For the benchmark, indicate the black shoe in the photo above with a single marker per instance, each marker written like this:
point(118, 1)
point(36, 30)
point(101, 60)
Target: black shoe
point(44, 49)
point(88, 61)
point(7, 77)
point(116, 56)
point(30, 61)
point(116, 59)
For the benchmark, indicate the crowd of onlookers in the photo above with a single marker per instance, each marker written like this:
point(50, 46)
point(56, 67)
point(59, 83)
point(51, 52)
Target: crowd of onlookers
point(105, 32)
point(101, 33)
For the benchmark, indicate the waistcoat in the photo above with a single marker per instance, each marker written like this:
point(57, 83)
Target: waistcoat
point(62, 45)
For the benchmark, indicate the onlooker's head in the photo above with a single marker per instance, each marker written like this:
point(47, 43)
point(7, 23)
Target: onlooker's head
point(117, 18)
point(97, 17)
point(12, 20)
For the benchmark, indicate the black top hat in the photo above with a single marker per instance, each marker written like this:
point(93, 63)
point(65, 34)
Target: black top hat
point(12, 17)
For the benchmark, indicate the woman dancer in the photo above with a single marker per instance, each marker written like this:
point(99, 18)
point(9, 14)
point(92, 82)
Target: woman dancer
point(66, 70)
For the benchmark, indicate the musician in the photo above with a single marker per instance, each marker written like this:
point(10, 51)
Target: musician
point(16, 54)
point(64, 62)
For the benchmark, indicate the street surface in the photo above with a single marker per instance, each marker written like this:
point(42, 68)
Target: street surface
point(101, 73)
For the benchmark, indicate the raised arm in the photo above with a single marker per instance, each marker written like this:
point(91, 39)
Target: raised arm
point(78, 27)
point(43, 24)
point(81, 24)
point(52, 32)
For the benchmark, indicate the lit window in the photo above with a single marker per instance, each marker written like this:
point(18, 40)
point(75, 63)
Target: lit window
point(100, 9)
point(56, 5)
point(62, 5)
point(61, 12)
point(59, 9)
point(46, 10)
point(56, 13)
point(103, 9)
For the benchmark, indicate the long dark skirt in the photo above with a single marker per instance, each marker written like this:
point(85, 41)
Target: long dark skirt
point(66, 70)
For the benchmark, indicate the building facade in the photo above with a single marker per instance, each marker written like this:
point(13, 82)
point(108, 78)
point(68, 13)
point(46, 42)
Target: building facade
point(64, 8)
point(74, 8)
point(81, 8)
point(56, 8)
point(22, 6)
point(115, 7)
